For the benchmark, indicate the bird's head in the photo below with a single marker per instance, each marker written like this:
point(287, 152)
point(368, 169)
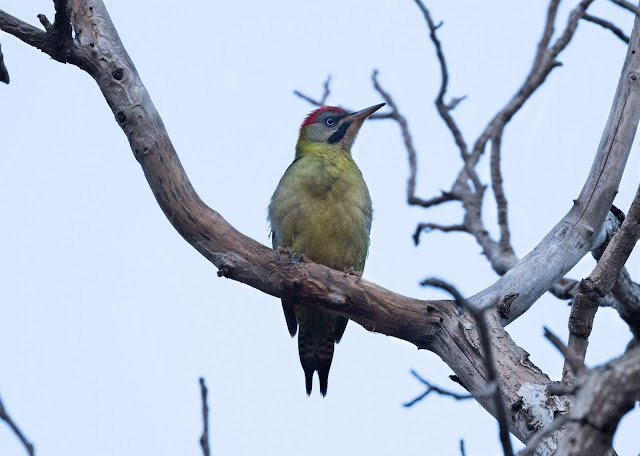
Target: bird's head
point(334, 126)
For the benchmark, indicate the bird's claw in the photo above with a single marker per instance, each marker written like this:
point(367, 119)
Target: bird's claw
point(280, 250)
point(293, 257)
point(352, 271)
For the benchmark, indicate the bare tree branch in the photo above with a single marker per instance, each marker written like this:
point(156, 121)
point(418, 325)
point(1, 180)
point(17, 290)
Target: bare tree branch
point(487, 350)
point(572, 360)
point(444, 109)
point(431, 388)
point(204, 440)
point(628, 6)
point(605, 395)
point(4, 416)
point(600, 283)
point(395, 114)
point(325, 95)
point(607, 25)
point(25, 32)
point(499, 253)
point(435, 226)
point(307, 98)
point(326, 92)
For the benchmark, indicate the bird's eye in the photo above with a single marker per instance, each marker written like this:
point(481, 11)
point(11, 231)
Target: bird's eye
point(330, 121)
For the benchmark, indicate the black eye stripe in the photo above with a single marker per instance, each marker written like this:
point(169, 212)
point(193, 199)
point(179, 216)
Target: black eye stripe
point(339, 133)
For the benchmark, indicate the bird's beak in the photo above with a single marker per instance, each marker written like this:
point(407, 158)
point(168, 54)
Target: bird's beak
point(363, 114)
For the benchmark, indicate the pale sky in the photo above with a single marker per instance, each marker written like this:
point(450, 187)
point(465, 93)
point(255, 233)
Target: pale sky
point(108, 318)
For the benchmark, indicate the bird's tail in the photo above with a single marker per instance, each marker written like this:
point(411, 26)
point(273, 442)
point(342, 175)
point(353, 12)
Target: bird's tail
point(316, 353)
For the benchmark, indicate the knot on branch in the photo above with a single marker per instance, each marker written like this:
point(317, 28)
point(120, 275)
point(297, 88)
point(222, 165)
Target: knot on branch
point(504, 306)
point(224, 271)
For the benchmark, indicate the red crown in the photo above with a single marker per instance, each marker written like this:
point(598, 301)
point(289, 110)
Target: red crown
point(313, 117)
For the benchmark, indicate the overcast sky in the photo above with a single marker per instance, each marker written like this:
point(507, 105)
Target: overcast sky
point(108, 318)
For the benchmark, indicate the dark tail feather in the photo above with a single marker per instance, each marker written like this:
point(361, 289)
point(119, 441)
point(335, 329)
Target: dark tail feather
point(308, 379)
point(323, 375)
point(316, 354)
point(341, 325)
point(290, 316)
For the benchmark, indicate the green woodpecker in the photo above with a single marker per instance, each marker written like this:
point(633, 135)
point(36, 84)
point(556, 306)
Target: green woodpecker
point(322, 209)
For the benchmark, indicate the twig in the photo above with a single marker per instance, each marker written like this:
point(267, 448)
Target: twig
point(547, 33)
point(4, 73)
point(395, 114)
point(478, 315)
point(426, 227)
point(325, 95)
point(501, 199)
point(204, 440)
point(16, 430)
point(444, 109)
point(628, 6)
point(574, 362)
point(462, 452)
point(307, 98)
point(607, 25)
point(435, 389)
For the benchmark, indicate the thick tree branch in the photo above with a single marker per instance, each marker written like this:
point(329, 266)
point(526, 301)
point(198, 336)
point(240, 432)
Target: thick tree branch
point(604, 396)
point(4, 416)
point(479, 315)
point(601, 282)
point(25, 32)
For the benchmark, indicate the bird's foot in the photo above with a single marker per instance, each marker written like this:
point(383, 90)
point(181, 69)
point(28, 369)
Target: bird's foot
point(352, 271)
point(293, 257)
point(280, 250)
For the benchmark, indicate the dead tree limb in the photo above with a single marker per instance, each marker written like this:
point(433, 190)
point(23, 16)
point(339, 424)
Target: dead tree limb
point(600, 283)
point(605, 395)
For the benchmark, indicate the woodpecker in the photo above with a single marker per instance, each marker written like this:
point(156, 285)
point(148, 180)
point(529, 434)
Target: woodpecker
point(322, 209)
